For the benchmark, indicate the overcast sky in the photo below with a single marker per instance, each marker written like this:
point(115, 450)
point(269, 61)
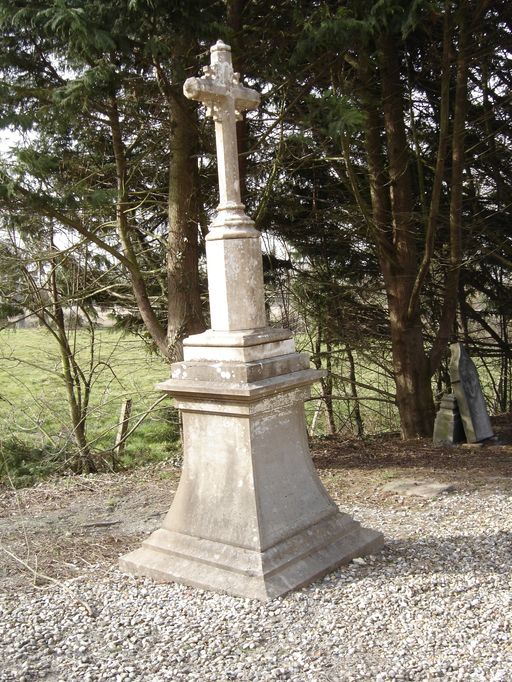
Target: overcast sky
point(8, 139)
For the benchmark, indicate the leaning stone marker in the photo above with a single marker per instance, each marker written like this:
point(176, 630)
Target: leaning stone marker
point(250, 516)
point(470, 399)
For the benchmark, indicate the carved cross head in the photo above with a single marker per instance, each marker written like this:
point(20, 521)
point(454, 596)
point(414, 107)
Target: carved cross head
point(219, 87)
point(220, 90)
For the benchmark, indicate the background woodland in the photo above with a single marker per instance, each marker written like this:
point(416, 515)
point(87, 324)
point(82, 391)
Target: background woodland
point(378, 169)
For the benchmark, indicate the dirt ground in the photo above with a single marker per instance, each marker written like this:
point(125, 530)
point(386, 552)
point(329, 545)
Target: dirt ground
point(50, 531)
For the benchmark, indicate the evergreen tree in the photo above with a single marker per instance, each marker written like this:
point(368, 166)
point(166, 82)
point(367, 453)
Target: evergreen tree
point(111, 148)
point(389, 90)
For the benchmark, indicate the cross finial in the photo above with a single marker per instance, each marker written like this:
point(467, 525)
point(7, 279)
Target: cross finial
point(225, 99)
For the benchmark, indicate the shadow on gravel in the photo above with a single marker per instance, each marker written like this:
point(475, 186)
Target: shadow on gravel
point(461, 554)
point(456, 554)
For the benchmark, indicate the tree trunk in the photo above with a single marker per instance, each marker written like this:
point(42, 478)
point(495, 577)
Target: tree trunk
point(123, 229)
point(451, 286)
point(185, 314)
point(410, 365)
point(353, 392)
point(83, 462)
point(439, 174)
point(395, 240)
point(327, 385)
point(504, 383)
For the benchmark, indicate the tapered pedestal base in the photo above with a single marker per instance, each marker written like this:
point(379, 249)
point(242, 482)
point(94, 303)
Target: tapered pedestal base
point(291, 563)
point(250, 516)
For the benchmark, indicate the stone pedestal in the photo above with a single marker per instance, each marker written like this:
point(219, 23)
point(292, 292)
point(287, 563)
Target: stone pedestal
point(250, 516)
point(448, 428)
point(235, 279)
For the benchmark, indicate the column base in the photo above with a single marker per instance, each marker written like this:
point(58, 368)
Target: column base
point(250, 516)
point(169, 556)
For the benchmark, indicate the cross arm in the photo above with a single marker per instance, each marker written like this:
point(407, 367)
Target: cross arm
point(203, 90)
point(206, 90)
point(246, 98)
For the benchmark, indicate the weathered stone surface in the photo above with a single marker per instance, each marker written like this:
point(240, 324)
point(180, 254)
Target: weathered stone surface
point(291, 563)
point(250, 516)
point(448, 428)
point(220, 90)
point(470, 399)
point(235, 277)
point(239, 372)
point(240, 390)
point(238, 346)
point(425, 489)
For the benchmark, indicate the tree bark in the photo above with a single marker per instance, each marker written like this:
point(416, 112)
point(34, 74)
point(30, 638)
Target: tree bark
point(437, 186)
point(398, 158)
point(459, 121)
point(185, 314)
point(147, 313)
point(327, 386)
point(353, 391)
point(410, 365)
point(394, 233)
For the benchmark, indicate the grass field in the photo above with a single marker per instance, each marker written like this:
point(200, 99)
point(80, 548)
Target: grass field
point(35, 434)
point(34, 423)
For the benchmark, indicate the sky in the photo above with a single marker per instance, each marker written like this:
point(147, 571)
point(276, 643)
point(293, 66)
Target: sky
point(8, 139)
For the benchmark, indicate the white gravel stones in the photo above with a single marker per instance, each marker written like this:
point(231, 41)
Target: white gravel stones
point(435, 604)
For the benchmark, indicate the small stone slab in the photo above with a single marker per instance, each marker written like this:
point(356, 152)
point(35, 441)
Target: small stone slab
point(425, 489)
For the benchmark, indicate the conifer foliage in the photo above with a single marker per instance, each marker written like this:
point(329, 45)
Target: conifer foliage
point(381, 155)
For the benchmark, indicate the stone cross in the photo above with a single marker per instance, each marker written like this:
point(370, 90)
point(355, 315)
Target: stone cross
point(220, 90)
point(250, 516)
point(233, 249)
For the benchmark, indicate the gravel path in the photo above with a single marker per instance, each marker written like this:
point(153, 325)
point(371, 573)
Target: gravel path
point(435, 604)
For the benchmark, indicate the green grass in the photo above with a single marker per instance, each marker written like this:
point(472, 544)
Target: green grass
point(35, 434)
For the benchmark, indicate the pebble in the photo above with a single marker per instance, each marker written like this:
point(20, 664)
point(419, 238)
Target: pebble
point(436, 603)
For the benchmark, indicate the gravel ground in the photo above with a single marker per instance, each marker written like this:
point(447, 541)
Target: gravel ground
point(436, 603)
